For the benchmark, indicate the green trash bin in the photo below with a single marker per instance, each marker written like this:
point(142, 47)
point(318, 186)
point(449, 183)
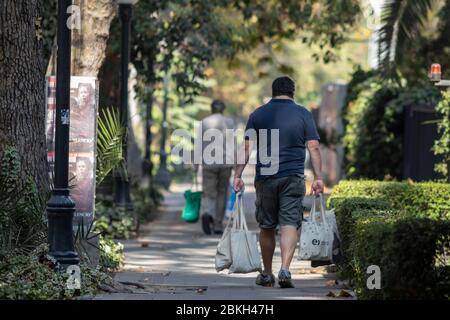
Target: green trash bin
point(191, 210)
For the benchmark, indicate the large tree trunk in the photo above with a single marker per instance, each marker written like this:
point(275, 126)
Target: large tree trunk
point(22, 87)
point(89, 43)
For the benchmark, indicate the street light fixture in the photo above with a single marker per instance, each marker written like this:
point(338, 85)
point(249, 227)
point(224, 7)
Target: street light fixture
point(60, 207)
point(436, 76)
point(122, 186)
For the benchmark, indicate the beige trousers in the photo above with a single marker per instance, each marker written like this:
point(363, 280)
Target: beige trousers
point(215, 191)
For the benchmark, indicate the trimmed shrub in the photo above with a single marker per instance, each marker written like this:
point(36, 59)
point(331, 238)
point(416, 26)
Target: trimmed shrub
point(401, 227)
point(423, 199)
point(345, 218)
point(367, 249)
point(412, 254)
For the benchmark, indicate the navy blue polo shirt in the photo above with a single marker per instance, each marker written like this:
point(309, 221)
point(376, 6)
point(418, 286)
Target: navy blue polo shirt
point(296, 126)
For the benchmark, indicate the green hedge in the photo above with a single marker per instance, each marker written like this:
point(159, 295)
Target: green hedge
point(410, 253)
point(345, 218)
point(401, 227)
point(424, 199)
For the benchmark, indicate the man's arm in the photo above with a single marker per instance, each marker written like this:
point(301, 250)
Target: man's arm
point(243, 157)
point(316, 161)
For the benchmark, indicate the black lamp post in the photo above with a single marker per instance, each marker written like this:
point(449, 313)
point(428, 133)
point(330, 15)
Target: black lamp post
point(147, 164)
point(60, 207)
point(163, 176)
point(122, 186)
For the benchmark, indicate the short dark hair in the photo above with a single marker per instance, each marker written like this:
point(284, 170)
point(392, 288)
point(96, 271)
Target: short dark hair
point(217, 106)
point(283, 86)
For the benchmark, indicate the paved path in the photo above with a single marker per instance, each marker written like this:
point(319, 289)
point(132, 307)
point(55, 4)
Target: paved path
point(178, 263)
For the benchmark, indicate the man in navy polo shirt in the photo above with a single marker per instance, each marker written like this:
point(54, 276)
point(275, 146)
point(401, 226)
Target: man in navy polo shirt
point(280, 192)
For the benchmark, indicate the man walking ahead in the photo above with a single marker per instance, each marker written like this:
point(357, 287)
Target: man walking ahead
point(216, 175)
point(279, 195)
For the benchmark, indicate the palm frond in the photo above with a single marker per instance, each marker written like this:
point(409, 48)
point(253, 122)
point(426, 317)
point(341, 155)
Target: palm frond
point(401, 21)
point(110, 136)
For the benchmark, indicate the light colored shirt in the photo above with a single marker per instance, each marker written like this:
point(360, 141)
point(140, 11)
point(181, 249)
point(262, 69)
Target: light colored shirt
point(218, 147)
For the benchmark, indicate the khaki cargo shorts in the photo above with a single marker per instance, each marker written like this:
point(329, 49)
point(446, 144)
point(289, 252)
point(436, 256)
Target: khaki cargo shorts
point(279, 201)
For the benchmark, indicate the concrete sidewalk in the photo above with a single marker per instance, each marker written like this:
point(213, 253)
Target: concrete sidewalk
point(174, 260)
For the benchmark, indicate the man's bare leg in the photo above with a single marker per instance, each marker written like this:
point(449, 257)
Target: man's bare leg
point(267, 242)
point(289, 237)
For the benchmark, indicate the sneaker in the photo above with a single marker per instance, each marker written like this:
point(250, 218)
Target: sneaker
point(284, 279)
point(265, 280)
point(206, 223)
point(217, 231)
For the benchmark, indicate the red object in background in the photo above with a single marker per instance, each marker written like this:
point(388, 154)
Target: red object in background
point(436, 72)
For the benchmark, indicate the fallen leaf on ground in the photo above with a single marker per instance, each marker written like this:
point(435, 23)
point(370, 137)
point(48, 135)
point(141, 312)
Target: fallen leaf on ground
point(345, 294)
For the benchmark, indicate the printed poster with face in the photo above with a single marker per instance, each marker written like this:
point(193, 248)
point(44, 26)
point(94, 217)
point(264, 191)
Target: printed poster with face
point(82, 142)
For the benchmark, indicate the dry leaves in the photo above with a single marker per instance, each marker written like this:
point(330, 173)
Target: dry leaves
point(341, 294)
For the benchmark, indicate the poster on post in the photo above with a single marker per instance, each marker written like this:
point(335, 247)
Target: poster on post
point(82, 142)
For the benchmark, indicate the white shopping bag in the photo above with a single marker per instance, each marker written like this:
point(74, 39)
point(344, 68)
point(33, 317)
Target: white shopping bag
point(223, 252)
point(238, 249)
point(316, 238)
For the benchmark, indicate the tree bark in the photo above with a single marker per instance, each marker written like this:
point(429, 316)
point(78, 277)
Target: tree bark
point(89, 43)
point(22, 88)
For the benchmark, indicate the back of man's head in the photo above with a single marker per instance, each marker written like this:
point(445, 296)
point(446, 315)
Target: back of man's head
point(217, 106)
point(283, 86)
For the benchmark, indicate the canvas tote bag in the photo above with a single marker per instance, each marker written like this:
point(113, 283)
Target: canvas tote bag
point(223, 258)
point(244, 246)
point(316, 238)
point(238, 249)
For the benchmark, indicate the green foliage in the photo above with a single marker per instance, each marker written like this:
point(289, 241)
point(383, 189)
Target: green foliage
point(34, 276)
point(49, 24)
point(374, 125)
point(409, 253)
point(424, 199)
point(401, 227)
point(22, 211)
point(359, 82)
point(111, 255)
point(442, 145)
point(414, 34)
point(373, 149)
point(145, 201)
point(401, 22)
point(110, 135)
point(346, 208)
point(185, 36)
point(113, 222)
